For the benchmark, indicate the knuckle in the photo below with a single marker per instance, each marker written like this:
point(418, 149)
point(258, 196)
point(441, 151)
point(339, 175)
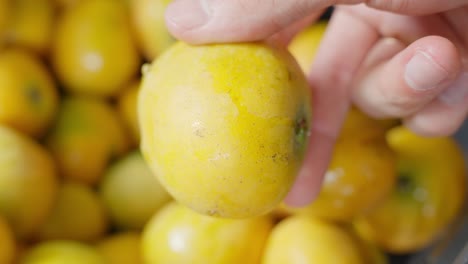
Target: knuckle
point(398, 105)
point(392, 5)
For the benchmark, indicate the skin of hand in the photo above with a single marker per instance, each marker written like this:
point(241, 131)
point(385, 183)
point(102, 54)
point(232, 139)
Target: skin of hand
point(403, 58)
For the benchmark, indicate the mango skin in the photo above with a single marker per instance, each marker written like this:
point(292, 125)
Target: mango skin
point(305, 239)
point(429, 196)
point(179, 235)
point(225, 127)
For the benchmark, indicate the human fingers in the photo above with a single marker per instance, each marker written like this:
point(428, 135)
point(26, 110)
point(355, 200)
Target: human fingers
point(416, 7)
point(283, 37)
point(445, 115)
point(421, 114)
point(408, 81)
point(208, 21)
point(331, 73)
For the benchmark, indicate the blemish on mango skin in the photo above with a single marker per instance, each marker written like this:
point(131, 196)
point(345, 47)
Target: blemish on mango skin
point(33, 94)
point(219, 126)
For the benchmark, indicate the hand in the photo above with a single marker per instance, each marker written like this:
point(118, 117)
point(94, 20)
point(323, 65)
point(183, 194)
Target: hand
point(411, 63)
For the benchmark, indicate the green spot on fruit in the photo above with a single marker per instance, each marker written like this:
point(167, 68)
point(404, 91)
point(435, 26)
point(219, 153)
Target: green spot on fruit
point(404, 184)
point(406, 187)
point(301, 132)
point(33, 94)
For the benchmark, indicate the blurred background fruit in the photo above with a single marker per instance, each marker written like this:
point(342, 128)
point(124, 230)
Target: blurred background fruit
point(28, 95)
point(61, 252)
point(370, 251)
point(305, 44)
point(359, 125)
point(430, 191)
point(78, 214)
point(121, 248)
point(131, 192)
point(306, 239)
point(30, 24)
point(93, 50)
point(7, 243)
point(86, 136)
point(4, 16)
point(127, 107)
point(356, 165)
point(179, 235)
point(28, 182)
point(75, 189)
point(63, 4)
point(361, 159)
point(150, 27)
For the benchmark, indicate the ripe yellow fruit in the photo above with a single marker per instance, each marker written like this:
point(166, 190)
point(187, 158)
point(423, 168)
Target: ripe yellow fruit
point(122, 248)
point(131, 192)
point(28, 96)
point(359, 125)
point(356, 165)
point(127, 107)
point(361, 158)
point(30, 24)
point(225, 127)
point(4, 17)
point(430, 192)
point(61, 252)
point(28, 182)
point(150, 26)
point(64, 4)
point(304, 45)
point(93, 52)
point(178, 234)
point(78, 214)
point(370, 250)
point(7, 243)
point(303, 239)
point(86, 136)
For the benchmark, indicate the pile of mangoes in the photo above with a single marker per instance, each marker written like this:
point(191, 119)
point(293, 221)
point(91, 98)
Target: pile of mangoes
point(75, 188)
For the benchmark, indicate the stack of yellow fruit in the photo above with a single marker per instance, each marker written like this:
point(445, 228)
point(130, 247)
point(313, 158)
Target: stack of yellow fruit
point(77, 102)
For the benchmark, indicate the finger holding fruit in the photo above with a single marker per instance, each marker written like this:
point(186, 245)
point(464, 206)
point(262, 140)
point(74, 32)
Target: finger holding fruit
point(134, 147)
point(361, 158)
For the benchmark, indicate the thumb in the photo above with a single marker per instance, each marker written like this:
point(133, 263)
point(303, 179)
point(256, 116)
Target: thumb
point(207, 21)
point(415, 7)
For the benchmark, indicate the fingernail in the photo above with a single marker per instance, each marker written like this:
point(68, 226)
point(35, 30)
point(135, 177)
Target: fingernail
point(423, 73)
point(457, 92)
point(188, 14)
